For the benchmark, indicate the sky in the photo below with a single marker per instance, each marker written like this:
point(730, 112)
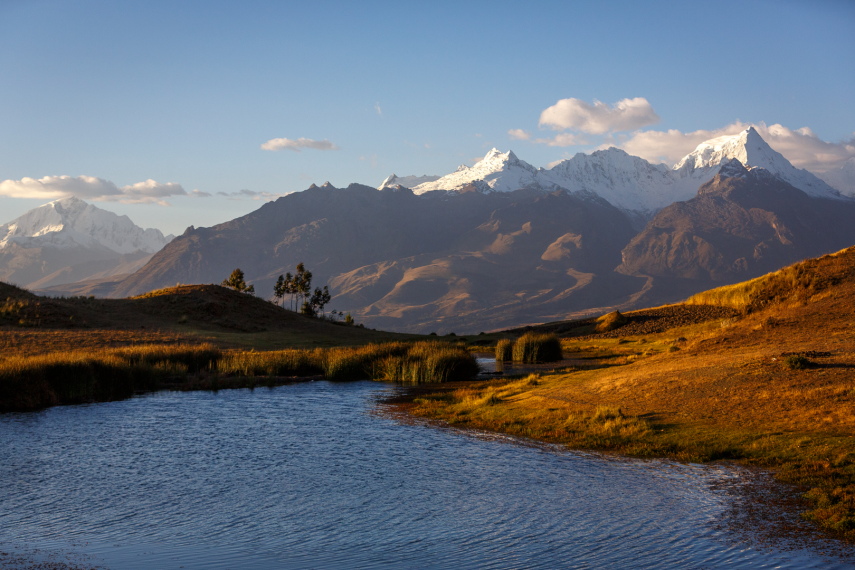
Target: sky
point(194, 113)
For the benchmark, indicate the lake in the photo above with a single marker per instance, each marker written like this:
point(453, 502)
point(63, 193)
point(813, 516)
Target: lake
point(319, 475)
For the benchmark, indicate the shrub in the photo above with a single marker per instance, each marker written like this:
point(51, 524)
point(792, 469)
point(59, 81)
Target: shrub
point(537, 347)
point(428, 362)
point(504, 350)
point(797, 362)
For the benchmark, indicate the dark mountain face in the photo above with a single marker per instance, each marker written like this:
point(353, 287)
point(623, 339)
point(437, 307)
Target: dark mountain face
point(432, 262)
point(472, 261)
point(743, 223)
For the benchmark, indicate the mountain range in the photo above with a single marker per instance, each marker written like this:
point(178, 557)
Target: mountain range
point(502, 243)
point(69, 240)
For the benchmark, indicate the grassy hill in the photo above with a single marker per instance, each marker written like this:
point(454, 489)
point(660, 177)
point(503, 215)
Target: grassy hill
point(769, 380)
point(186, 313)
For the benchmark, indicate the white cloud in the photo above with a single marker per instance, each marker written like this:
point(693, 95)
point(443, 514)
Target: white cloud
point(378, 109)
point(90, 188)
point(801, 146)
point(298, 145)
point(599, 118)
point(519, 135)
point(563, 139)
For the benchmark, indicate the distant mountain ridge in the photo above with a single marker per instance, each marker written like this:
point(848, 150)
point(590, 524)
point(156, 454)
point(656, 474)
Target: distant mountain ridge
point(71, 221)
point(628, 182)
point(69, 240)
point(502, 244)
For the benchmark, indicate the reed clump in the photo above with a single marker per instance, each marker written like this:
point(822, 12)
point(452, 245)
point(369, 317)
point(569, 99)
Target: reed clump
point(504, 350)
point(537, 347)
point(293, 362)
point(72, 377)
point(428, 362)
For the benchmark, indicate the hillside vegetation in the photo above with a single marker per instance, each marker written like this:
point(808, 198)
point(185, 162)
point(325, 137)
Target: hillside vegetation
point(770, 381)
point(189, 313)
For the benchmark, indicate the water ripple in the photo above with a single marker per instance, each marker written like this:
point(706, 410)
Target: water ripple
point(307, 476)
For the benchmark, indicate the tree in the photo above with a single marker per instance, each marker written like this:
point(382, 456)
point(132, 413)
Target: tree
point(302, 285)
point(282, 288)
point(237, 282)
point(318, 300)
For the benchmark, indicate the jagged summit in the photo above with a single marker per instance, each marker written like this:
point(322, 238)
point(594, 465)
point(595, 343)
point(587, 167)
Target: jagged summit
point(72, 222)
point(393, 181)
point(749, 148)
point(497, 171)
point(627, 182)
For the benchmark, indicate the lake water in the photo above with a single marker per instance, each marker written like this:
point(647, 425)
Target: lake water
point(312, 476)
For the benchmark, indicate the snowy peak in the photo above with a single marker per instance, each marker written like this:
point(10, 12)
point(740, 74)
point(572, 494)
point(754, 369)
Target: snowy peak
point(627, 182)
point(749, 148)
point(393, 181)
point(497, 172)
point(72, 222)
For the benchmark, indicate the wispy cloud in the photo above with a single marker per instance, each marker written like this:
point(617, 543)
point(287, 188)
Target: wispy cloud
point(519, 135)
point(246, 194)
point(90, 188)
point(800, 146)
point(298, 144)
point(563, 139)
point(599, 118)
point(378, 109)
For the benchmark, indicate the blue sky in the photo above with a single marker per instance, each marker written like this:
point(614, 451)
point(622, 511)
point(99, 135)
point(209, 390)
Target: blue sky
point(184, 94)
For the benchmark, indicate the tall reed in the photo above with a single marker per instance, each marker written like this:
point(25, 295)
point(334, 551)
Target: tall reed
point(537, 347)
point(504, 350)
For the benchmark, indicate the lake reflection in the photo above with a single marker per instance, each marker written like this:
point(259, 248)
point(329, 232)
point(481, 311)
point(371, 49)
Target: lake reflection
point(307, 476)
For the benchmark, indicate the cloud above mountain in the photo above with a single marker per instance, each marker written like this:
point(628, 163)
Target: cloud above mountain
point(90, 188)
point(598, 118)
point(802, 147)
point(298, 144)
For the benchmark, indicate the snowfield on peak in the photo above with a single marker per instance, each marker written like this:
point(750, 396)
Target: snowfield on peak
point(72, 222)
point(497, 172)
point(628, 182)
point(393, 181)
point(749, 148)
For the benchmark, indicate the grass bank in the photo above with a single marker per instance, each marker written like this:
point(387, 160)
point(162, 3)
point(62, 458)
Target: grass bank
point(29, 382)
point(763, 389)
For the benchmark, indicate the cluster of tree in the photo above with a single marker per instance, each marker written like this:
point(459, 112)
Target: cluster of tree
point(237, 282)
point(299, 287)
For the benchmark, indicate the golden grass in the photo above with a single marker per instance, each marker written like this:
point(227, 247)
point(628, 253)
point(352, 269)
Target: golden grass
point(772, 388)
point(75, 376)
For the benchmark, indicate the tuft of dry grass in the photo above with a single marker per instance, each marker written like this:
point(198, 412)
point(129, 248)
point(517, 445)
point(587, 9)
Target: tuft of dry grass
point(537, 347)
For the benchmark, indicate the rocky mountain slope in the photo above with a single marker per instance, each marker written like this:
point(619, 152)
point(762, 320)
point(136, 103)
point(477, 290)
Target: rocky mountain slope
point(69, 240)
point(744, 222)
point(503, 244)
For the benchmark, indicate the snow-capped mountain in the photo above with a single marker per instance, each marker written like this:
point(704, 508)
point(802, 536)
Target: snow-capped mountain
point(841, 179)
point(393, 181)
point(628, 182)
point(72, 222)
point(749, 148)
point(497, 172)
point(69, 240)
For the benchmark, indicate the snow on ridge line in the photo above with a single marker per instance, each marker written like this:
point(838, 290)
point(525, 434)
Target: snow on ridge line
point(629, 182)
point(72, 222)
